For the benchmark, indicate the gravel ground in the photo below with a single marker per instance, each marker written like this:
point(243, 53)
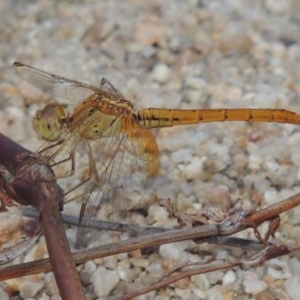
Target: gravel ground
point(175, 54)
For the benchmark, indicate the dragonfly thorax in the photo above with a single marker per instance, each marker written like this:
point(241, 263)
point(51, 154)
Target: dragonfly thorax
point(95, 118)
point(113, 106)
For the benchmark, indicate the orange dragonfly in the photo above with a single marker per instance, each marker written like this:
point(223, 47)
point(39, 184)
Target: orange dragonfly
point(112, 141)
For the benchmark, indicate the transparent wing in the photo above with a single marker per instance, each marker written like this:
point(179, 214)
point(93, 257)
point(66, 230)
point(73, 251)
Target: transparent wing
point(125, 164)
point(106, 86)
point(55, 85)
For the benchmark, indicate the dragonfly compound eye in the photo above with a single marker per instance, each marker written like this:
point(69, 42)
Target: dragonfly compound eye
point(48, 122)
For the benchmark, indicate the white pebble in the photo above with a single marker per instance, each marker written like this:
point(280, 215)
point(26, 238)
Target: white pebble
point(155, 267)
point(201, 280)
point(282, 273)
point(158, 213)
point(292, 287)
point(128, 274)
point(139, 262)
point(30, 289)
point(271, 197)
point(183, 294)
point(104, 281)
point(296, 159)
point(87, 271)
point(294, 265)
point(50, 283)
point(229, 277)
point(254, 286)
point(199, 293)
point(161, 73)
point(173, 250)
point(110, 262)
point(3, 295)
point(255, 162)
point(194, 169)
point(213, 294)
point(182, 156)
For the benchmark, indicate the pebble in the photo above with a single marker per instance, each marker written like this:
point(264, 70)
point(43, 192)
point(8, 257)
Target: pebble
point(213, 294)
point(161, 73)
point(294, 266)
point(3, 295)
point(292, 287)
point(149, 31)
point(254, 286)
point(128, 274)
point(174, 250)
point(104, 281)
point(271, 197)
point(182, 156)
point(183, 294)
point(110, 262)
point(51, 285)
point(282, 273)
point(140, 262)
point(87, 271)
point(30, 289)
point(201, 280)
point(193, 170)
point(229, 277)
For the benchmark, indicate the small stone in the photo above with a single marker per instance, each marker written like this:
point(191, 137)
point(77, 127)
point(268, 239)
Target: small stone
point(201, 280)
point(155, 267)
point(271, 197)
point(264, 295)
point(182, 156)
point(229, 277)
point(224, 92)
point(30, 289)
point(110, 262)
point(128, 274)
point(282, 273)
point(194, 169)
point(3, 295)
point(182, 283)
point(140, 262)
point(174, 250)
point(50, 283)
point(161, 73)
point(254, 286)
point(292, 287)
point(255, 162)
point(294, 265)
point(183, 294)
point(87, 272)
point(104, 281)
point(213, 294)
point(149, 31)
point(158, 213)
point(199, 293)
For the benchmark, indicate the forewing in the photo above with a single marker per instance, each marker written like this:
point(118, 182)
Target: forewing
point(55, 85)
point(108, 87)
point(123, 180)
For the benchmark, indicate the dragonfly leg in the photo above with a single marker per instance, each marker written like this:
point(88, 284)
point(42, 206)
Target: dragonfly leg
point(92, 174)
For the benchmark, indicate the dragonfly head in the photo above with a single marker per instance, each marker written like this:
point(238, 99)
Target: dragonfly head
point(48, 122)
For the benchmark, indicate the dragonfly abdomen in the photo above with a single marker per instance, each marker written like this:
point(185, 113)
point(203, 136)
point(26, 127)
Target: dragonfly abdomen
point(155, 117)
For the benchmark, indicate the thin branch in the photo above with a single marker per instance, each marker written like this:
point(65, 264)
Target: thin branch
point(235, 223)
point(188, 270)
